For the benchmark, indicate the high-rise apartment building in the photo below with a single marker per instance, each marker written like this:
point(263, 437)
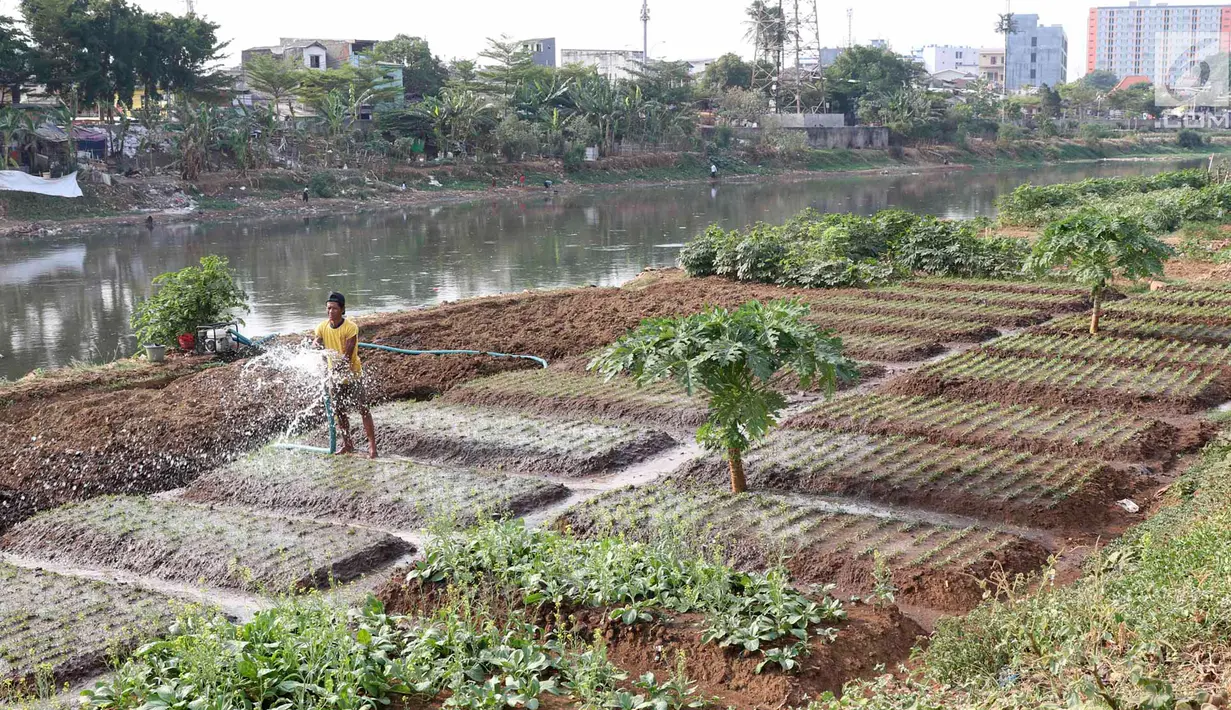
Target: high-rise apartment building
point(1038, 54)
point(1141, 39)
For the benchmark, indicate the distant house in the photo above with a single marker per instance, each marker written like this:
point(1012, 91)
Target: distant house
point(317, 55)
point(698, 66)
point(542, 50)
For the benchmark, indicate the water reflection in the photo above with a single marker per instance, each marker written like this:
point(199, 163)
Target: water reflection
point(71, 299)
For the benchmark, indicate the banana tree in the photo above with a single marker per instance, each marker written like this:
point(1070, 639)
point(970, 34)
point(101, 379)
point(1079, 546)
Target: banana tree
point(734, 358)
point(602, 104)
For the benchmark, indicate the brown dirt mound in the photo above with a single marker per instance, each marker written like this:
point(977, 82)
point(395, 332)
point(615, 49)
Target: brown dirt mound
point(870, 637)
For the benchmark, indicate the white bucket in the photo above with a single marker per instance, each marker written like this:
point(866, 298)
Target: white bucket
point(156, 353)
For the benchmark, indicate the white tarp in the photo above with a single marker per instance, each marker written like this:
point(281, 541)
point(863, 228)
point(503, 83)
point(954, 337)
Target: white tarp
point(17, 181)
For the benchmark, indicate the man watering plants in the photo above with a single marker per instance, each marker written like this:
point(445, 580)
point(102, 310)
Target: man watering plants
point(339, 336)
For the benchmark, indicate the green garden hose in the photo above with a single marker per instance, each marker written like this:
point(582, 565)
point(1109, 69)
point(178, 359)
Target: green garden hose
point(400, 351)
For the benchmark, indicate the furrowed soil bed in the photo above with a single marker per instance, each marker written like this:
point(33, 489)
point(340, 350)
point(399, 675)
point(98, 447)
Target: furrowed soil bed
point(1051, 302)
point(869, 639)
point(1029, 489)
point(1132, 352)
point(977, 375)
point(1039, 430)
point(467, 435)
point(567, 393)
point(933, 564)
point(71, 625)
point(387, 493)
point(1113, 326)
point(189, 543)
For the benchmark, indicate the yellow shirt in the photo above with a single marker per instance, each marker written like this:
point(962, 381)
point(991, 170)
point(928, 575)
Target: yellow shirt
point(335, 340)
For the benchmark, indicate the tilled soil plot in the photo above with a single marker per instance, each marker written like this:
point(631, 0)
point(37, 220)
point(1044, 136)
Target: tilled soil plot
point(496, 439)
point(391, 494)
point(70, 625)
point(1139, 328)
point(188, 543)
point(1130, 352)
point(933, 564)
point(984, 483)
point(1039, 430)
point(1069, 382)
point(870, 638)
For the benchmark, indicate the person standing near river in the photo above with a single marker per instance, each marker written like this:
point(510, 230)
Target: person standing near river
point(339, 336)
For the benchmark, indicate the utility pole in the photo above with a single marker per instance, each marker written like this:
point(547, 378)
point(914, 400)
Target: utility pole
point(850, 27)
point(192, 10)
point(645, 32)
point(1007, 25)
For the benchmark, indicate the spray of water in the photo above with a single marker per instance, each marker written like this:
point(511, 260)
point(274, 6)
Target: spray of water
point(293, 377)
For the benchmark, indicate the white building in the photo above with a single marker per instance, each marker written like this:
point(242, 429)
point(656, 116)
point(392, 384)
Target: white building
point(937, 58)
point(611, 63)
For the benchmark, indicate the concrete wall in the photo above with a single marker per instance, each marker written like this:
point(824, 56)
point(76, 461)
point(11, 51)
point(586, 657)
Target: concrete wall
point(848, 138)
point(805, 120)
point(843, 138)
point(611, 63)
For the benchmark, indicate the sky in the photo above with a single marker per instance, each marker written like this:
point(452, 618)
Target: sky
point(679, 29)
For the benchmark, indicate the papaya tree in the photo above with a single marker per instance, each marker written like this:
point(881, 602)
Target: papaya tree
point(735, 358)
point(1094, 248)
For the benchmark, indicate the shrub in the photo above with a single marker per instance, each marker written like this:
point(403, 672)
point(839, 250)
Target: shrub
point(185, 299)
point(759, 256)
point(1190, 139)
point(723, 135)
point(323, 184)
point(1094, 133)
point(942, 248)
point(515, 138)
point(1009, 133)
point(574, 158)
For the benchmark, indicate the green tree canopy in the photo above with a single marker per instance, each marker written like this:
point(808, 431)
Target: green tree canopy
point(1094, 248)
point(728, 72)
point(423, 74)
point(15, 58)
point(102, 51)
point(1136, 99)
point(862, 71)
point(508, 66)
point(733, 357)
point(185, 299)
point(1100, 80)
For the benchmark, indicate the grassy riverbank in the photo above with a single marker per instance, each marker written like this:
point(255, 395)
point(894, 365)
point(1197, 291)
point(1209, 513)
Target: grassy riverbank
point(278, 193)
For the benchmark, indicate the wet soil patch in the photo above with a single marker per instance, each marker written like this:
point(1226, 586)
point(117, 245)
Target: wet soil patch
point(391, 494)
point(497, 439)
point(188, 543)
point(71, 625)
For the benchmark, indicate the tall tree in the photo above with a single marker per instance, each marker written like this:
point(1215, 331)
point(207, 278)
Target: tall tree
point(733, 357)
point(727, 72)
point(862, 71)
point(509, 64)
point(280, 79)
point(423, 74)
point(103, 51)
point(15, 58)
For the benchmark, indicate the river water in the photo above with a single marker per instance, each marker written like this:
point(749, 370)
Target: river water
point(69, 299)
